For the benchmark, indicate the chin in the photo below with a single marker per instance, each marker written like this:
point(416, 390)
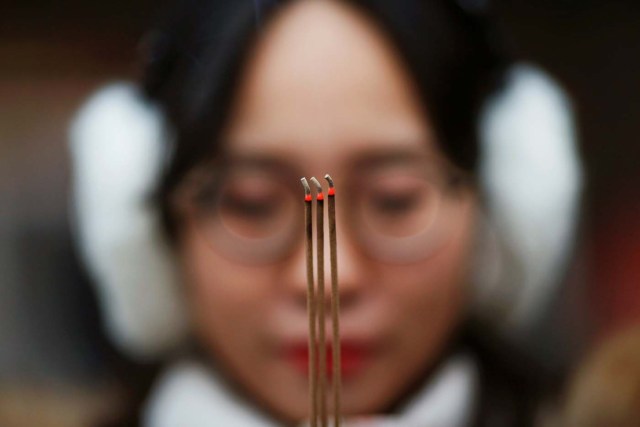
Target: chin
point(363, 395)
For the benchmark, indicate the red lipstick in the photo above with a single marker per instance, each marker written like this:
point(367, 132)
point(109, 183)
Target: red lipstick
point(353, 358)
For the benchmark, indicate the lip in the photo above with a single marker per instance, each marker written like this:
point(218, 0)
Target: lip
point(354, 356)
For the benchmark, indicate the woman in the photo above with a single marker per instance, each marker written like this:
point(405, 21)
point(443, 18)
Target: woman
point(388, 98)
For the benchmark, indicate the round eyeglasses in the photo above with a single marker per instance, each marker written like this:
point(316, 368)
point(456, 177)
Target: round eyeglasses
point(399, 210)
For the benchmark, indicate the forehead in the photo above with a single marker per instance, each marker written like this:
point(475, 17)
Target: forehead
point(322, 87)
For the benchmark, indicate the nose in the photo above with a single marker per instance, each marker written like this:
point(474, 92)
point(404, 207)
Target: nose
point(350, 266)
point(351, 271)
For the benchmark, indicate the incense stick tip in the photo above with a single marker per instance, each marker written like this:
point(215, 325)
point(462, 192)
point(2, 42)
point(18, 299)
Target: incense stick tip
point(316, 183)
point(305, 184)
point(329, 180)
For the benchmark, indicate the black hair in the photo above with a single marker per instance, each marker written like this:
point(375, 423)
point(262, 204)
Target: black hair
point(196, 57)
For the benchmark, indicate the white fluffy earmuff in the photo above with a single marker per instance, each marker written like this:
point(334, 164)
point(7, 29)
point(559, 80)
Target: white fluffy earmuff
point(118, 147)
point(530, 174)
point(531, 178)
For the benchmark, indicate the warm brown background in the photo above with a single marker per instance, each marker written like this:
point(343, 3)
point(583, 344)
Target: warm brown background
point(53, 54)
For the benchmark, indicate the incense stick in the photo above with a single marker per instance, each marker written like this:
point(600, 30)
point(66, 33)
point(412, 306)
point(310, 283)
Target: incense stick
point(335, 301)
point(311, 305)
point(322, 341)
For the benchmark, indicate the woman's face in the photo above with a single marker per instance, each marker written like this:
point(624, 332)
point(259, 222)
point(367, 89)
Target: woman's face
point(325, 93)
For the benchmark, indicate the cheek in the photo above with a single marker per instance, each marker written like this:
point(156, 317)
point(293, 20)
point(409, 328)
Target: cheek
point(232, 307)
point(436, 287)
point(432, 303)
point(427, 301)
point(225, 297)
point(416, 308)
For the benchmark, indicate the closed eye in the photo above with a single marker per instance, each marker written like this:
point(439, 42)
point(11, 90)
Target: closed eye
point(395, 204)
point(255, 209)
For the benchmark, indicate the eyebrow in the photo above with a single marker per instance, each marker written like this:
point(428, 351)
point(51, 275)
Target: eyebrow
point(262, 161)
point(368, 159)
point(386, 157)
point(275, 164)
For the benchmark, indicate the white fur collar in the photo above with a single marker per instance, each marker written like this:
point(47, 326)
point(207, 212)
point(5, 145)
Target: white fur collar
point(190, 395)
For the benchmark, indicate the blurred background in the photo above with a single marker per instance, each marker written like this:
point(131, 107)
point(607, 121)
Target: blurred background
point(56, 367)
